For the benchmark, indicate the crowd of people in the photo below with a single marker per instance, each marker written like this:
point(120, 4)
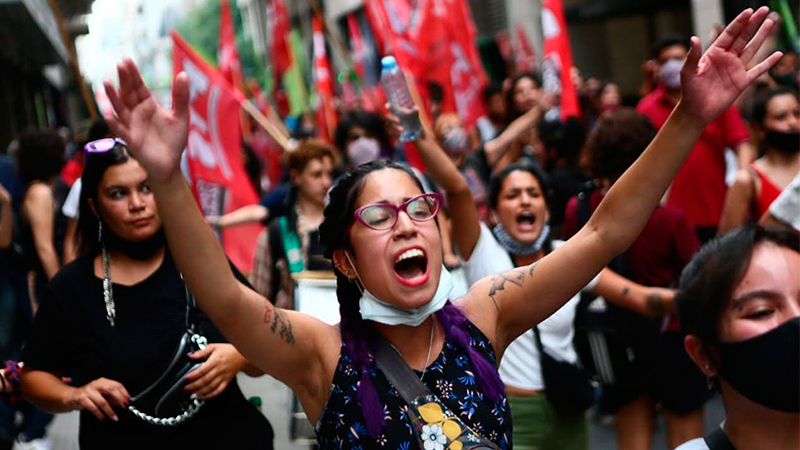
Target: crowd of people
point(630, 261)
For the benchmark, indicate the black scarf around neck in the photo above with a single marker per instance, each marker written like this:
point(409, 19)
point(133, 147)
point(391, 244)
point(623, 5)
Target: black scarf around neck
point(140, 250)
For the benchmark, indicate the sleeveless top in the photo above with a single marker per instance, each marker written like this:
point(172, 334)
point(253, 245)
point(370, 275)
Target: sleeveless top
point(450, 377)
point(769, 192)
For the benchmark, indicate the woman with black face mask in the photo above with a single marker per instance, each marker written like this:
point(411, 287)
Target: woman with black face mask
point(739, 303)
point(776, 124)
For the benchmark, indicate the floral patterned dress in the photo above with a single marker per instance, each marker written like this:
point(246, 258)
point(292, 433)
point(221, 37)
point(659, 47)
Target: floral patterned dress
point(450, 378)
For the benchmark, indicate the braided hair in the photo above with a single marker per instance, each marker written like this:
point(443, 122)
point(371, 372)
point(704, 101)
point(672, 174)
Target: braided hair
point(359, 337)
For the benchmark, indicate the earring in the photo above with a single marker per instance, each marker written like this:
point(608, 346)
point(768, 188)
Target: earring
point(99, 231)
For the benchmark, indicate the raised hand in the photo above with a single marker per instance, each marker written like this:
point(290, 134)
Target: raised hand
point(711, 82)
point(155, 135)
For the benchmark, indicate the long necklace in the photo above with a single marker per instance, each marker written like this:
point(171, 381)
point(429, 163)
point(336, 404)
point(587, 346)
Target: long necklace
point(108, 289)
point(430, 347)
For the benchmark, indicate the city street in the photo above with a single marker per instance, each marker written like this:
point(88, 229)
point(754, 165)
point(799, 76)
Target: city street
point(276, 400)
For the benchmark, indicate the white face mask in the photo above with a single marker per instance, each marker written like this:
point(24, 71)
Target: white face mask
point(670, 74)
point(379, 311)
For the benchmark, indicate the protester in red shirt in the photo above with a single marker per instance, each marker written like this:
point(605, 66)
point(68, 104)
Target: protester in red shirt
point(699, 188)
point(664, 373)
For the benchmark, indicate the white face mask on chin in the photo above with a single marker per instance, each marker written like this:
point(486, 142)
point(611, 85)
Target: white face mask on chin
point(379, 311)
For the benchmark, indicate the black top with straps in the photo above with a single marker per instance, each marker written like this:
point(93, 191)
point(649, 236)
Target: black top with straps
point(450, 377)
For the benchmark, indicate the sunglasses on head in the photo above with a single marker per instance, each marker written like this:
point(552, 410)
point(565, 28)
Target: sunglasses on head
point(101, 146)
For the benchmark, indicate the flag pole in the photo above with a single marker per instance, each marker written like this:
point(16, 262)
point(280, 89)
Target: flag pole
point(343, 50)
point(275, 132)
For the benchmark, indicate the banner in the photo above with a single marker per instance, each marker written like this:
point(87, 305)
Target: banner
point(213, 150)
point(557, 60)
point(294, 81)
point(227, 54)
point(323, 84)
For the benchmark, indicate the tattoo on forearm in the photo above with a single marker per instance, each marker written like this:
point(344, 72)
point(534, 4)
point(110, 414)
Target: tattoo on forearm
point(278, 322)
point(625, 291)
point(656, 304)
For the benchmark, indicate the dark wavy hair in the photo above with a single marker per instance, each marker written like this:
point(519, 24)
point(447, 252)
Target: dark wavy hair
point(617, 140)
point(708, 281)
point(512, 111)
point(40, 156)
point(96, 165)
point(359, 336)
point(370, 122)
point(497, 180)
point(758, 109)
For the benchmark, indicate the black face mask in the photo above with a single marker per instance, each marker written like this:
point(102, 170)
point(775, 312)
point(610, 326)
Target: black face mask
point(766, 368)
point(786, 142)
point(140, 250)
point(787, 79)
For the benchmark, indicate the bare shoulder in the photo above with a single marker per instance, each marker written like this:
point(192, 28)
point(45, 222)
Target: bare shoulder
point(38, 193)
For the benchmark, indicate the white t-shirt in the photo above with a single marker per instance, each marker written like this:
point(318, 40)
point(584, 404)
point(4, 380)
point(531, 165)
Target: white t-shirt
point(786, 207)
point(694, 444)
point(520, 366)
point(71, 207)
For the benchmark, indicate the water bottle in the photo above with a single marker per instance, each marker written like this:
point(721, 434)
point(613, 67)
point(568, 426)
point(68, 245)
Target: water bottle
point(394, 84)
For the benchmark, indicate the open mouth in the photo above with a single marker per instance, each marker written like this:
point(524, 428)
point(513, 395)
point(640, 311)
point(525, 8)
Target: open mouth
point(411, 267)
point(526, 221)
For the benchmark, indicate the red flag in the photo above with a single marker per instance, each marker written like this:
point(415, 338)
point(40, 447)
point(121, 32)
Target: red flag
point(213, 150)
point(278, 21)
point(323, 80)
point(557, 61)
point(434, 40)
point(525, 54)
point(227, 54)
point(357, 44)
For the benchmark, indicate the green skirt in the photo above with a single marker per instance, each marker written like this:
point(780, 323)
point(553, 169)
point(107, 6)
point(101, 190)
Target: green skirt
point(537, 426)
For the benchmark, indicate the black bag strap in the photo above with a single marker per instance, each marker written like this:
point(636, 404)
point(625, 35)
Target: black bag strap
point(538, 339)
point(192, 322)
point(397, 371)
point(717, 440)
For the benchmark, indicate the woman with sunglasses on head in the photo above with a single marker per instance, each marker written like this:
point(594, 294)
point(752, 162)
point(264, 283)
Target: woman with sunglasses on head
point(113, 321)
point(739, 304)
point(386, 249)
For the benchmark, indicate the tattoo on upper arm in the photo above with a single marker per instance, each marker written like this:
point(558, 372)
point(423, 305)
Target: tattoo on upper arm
point(514, 277)
point(278, 322)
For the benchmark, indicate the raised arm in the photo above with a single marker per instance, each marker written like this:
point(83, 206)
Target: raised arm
point(497, 147)
point(463, 213)
point(294, 348)
point(244, 215)
point(710, 83)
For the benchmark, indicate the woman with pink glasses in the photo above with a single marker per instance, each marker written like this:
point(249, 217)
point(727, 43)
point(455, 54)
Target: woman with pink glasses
point(392, 289)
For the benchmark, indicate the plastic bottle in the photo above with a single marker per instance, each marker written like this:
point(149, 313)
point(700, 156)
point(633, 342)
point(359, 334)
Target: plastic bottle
point(394, 84)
